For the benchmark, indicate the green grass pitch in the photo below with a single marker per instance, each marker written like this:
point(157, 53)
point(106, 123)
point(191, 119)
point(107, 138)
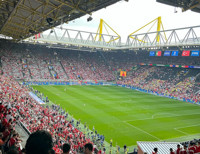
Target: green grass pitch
point(127, 116)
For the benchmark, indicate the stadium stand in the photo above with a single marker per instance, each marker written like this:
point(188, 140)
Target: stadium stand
point(180, 82)
point(192, 146)
point(11, 65)
point(16, 104)
point(34, 63)
point(48, 65)
point(37, 62)
point(9, 138)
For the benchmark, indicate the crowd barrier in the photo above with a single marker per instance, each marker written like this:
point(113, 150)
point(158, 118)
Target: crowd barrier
point(68, 83)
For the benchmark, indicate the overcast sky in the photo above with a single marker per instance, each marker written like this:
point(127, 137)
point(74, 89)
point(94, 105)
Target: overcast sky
point(126, 17)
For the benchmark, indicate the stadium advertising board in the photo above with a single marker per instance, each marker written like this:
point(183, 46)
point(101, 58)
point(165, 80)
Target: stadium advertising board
point(174, 53)
point(195, 53)
point(158, 53)
point(152, 53)
point(167, 53)
point(186, 53)
point(178, 66)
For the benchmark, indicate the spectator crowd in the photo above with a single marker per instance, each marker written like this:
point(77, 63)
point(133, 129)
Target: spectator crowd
point(16, 106)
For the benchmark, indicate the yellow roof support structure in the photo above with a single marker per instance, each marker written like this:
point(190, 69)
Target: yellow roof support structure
point(103, 25)
point(159, 26)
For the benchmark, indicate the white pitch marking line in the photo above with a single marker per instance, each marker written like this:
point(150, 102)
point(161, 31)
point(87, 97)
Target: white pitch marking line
point(175, 115)
point(143, 131)
point(188, 126)
point(137, 119)
point(177, 129)
point(181, 131)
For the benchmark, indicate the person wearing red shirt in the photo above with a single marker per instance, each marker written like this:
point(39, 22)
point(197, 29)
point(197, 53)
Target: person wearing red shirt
point(178, 149)
point(192, 148)
point(198, 148)
point(6, 133)
point(5, 122)
point(184, 151)
point(171, 151)
point(1, 106)
point(1, 115)
point(12, 140)
point(8, 125)
point(99, 152)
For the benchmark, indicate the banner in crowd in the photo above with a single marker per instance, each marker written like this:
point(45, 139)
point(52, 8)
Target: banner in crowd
point(123, 73)
point(37, 36)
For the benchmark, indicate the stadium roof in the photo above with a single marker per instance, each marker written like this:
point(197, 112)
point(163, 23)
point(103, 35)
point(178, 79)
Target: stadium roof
point(20, 19)
point(193, 5)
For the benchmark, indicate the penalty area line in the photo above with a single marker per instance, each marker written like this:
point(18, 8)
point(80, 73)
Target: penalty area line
point(143, 131)
point(181, 131)
point(187, 126)
point(177, 129)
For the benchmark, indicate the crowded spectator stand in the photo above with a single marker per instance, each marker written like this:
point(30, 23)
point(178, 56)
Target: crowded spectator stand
point(17, 105)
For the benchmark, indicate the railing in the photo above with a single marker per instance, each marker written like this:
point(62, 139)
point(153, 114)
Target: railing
point(86, 41)
point(68, 37)
point(23, 127)
point(62, 82)
point(175, 37)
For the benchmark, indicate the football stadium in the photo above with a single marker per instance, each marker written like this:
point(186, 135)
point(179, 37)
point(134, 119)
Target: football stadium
point(66, 90)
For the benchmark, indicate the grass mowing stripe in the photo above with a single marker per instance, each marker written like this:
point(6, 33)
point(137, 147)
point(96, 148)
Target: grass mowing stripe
point(126, 115)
